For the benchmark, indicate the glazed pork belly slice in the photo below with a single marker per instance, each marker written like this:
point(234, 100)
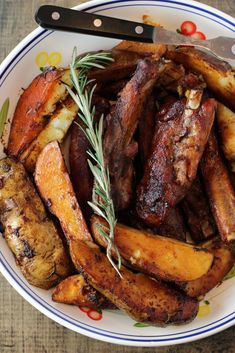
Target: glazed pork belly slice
point(182, 130)
point(119, 146)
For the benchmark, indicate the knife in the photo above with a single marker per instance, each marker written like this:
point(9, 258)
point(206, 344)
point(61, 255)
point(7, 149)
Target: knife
point(64, 19)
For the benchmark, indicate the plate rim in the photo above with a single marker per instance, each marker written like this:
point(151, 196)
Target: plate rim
point(30, 38)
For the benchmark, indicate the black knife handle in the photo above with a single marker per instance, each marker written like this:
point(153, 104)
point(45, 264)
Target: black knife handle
point(60, 18)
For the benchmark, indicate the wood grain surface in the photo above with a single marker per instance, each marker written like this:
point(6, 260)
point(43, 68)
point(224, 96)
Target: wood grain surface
point(23, 329)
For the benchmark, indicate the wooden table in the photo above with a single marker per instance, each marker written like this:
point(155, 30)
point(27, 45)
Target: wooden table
point(23, 329)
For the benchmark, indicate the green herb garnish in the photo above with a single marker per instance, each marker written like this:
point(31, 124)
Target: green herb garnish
point(102, 203)
point(3, 115)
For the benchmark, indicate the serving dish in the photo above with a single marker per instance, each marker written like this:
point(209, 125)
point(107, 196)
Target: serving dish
point(43, 48)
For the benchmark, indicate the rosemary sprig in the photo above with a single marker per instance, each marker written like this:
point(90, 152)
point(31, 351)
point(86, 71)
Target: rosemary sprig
point(102, 203)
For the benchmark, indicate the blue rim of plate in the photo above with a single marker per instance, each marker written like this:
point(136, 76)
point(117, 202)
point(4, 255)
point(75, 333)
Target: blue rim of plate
point(56, 314)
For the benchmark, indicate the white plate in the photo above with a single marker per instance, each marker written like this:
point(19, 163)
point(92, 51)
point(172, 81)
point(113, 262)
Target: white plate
point(43, 47)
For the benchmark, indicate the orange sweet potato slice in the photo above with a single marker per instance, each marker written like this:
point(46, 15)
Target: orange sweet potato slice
point(35, 105)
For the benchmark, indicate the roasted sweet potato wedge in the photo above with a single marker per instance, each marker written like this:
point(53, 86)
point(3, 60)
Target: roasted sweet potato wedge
point(217, 74)
point(142, 298)
point(222, 264)
point(75, 290)
point(35, 105)
point(55, 130)
point(53, 182)
point(219, 189)
point(226, 126)
point(29, 233)
point(158, 256)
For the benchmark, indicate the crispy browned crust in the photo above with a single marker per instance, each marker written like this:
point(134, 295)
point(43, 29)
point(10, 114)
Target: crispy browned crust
point(144, 49)
point(81, 176)
point(146, 129)
point(197, 213)
point(111, 90)
point(29, 233)
point(219, 190)
point(119, 145)
point(141, 297)
point(222, 264)
point(173, 225)
point(170, 76)
point(179, 140)
point(123, 66)
point(158, 256)
point(75, 290)
point(35, 105)
point(217, 74)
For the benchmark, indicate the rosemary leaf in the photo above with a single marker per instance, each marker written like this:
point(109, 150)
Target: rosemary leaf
point(102, 203)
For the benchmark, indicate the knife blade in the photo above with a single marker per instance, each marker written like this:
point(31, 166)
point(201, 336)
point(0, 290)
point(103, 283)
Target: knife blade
point(64, 19)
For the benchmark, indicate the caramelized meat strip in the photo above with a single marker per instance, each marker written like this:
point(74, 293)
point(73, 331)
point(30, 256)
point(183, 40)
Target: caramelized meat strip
point(181, 134)
point(219, 190)
point(217, 74)
point(145, 49)
point(119, 145)
point(173, 225)
point(197, 213)
point(81, 176)
point(146, 129)
point(111, 90)
point(169, 78)
point(124, 65)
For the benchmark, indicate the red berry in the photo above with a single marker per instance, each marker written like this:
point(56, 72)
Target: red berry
point(188, 28)
point(198, 35)
point(94, 315)
point(85, 309)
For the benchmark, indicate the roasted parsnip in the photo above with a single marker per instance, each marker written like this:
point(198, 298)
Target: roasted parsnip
point(30, 234)
point(222, 264)
point(158, 256)
point(219, 190)
point(226, 127)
